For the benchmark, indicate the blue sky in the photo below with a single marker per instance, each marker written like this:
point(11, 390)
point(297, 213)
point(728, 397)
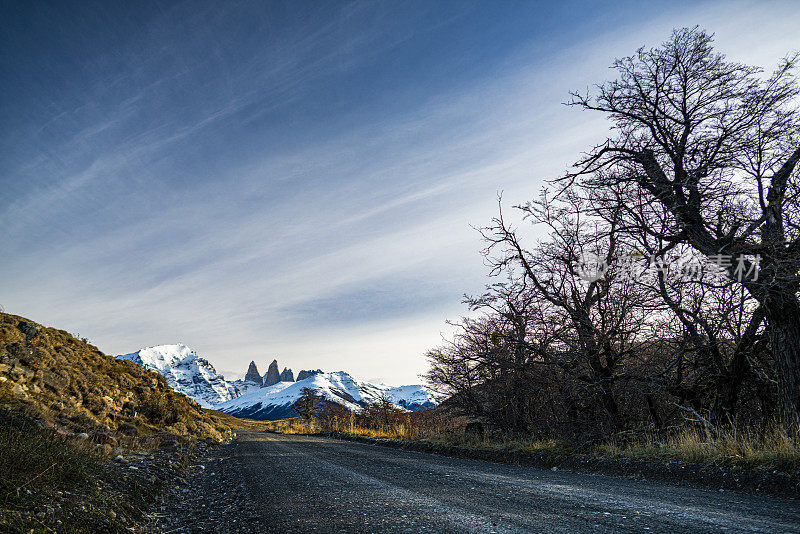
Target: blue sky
point(296, 180)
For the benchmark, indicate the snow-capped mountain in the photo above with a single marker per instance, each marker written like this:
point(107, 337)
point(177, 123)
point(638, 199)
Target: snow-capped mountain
point(196, 378)
point(186, 372)
point(252, 380)
point(275, 401)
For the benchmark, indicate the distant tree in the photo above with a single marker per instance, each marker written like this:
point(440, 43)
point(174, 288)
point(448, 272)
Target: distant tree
point(310, 404)
point(382, 414)
point(710, 148)
point(487, 366)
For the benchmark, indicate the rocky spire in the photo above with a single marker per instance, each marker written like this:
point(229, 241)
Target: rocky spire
point(287, 375)
point(302, 375)
point(272, 376)
point(253, 374)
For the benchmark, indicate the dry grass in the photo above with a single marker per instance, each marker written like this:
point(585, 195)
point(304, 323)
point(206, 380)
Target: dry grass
point(773, 448)
point(349, 425)
point(235, 423)
point(732, 447)
point(32, 460)
point(36, 465)
point(443, 434)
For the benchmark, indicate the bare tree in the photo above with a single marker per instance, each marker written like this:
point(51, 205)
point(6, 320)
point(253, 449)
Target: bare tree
point(310, 404)
point(488, 366)
point(714, 146)
point(594, 312)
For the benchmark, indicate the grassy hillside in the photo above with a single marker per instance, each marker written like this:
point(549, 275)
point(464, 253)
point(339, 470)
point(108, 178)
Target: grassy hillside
point(71, 385)
point(73, 424)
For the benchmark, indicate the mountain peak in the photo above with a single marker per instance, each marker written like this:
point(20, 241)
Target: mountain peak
point(186, 372)
point(253, 375)
point(302, 375)
point(287, 375)
point(273, 375)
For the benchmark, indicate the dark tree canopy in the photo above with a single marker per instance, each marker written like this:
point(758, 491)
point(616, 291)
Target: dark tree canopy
point(706, 153)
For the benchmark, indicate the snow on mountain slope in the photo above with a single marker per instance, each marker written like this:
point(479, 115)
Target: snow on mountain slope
point(186, 372)
point(244, 386)
point(275, 402)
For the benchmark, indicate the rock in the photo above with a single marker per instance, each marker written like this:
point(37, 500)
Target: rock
point(302, 375)
point(105, 439)
point(119, 458)
point(273, 376)
point(82, 435)
point(30, 329)
point(49, 425)
point(287, 375)
point(22, 374)
point(169, 445)
point(128, 429)
point(253, 375)
point(104, 448)
point(55, 381)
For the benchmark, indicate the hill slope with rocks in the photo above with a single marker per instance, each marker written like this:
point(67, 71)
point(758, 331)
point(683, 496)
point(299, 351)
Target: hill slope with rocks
point(67, 384)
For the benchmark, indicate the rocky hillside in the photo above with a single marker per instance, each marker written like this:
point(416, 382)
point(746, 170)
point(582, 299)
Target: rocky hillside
point(69, 385)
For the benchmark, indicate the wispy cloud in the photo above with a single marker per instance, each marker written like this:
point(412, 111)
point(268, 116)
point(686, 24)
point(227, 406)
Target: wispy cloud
point(226, 202)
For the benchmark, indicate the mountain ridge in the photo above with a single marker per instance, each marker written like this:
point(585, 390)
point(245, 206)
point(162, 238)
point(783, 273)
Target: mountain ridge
point(276, 401)
point(272, 395)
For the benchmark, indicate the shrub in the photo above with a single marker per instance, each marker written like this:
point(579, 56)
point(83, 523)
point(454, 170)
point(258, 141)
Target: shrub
point(155, 407)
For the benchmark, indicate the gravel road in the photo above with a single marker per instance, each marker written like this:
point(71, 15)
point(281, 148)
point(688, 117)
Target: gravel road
point(281, 483)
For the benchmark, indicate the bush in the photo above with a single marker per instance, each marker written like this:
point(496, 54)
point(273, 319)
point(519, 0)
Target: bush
point(155, 407)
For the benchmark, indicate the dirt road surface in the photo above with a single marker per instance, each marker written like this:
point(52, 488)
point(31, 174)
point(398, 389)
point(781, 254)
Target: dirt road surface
point(266, 482)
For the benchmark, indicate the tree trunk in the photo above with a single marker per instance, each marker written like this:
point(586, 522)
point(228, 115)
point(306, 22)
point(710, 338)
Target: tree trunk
point(739, 367)
point(610, 405)
point(651, 408)
point(784, 328)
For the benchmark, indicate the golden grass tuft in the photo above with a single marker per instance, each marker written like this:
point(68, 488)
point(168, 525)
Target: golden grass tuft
point(772, 447)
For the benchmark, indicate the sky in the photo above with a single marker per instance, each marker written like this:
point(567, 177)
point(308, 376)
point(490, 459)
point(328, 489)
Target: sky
point(297, 180)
